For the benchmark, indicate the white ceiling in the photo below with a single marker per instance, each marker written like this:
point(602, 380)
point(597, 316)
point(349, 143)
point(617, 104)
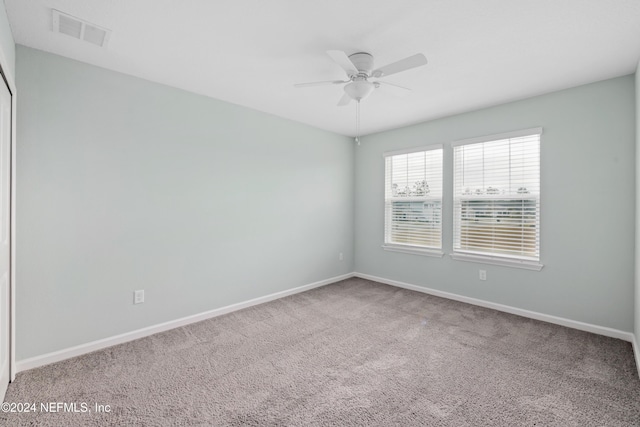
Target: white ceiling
point(251, 52)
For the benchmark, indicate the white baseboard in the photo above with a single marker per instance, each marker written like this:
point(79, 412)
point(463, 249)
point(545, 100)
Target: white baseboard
point(45, 359)
point(636, 351)
point(601, 330)
point(56, 356)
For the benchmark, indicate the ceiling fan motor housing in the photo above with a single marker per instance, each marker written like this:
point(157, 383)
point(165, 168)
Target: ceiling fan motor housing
point(363, 62)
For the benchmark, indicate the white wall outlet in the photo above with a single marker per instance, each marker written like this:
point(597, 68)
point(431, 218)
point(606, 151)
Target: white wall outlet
point(341, 257)
point(483, 274)
point(138, 297)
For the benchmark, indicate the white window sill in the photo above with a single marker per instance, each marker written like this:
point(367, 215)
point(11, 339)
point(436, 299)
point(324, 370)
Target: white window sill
point(504, 262)
point(413, 250)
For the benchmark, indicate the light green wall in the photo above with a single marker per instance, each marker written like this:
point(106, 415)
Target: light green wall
point(125, 184)
point(587, 202)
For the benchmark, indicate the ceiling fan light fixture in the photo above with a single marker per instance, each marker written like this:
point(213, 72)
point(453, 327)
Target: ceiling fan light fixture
point(359, 89)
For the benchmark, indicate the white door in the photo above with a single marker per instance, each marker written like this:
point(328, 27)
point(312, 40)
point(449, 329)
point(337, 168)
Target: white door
point(5, 186)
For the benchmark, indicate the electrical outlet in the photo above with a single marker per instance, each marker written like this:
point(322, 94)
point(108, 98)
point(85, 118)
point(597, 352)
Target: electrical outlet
point(483, 274)
point(341, 257)
point(138, 297)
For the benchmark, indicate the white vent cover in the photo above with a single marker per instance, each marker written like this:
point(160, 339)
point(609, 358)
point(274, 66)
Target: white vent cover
point(79, 29)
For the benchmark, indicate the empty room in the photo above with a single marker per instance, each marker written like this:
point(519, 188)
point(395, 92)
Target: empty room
point(347, 213)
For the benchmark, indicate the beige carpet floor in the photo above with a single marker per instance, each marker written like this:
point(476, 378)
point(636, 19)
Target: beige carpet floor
point(355, 353)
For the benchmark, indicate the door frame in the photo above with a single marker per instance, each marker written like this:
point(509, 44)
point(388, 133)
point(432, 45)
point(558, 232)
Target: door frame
point(9, 78)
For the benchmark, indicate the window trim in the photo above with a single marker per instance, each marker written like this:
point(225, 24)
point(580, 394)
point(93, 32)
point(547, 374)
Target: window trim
point(498, 136)
point(414, 250)
point(407, 248)
point(412, 150)
point(495, 259)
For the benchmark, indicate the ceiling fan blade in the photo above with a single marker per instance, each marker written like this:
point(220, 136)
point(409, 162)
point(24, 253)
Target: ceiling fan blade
point(394, 88)
point(328, 82)
point(343, 61)
point(345, 100)
point(408, 63)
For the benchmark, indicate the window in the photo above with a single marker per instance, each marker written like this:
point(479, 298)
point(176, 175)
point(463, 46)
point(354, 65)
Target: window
point(413, 200)
point(496, 198)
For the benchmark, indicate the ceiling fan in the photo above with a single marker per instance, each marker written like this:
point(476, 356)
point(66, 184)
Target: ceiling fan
point(359, 69)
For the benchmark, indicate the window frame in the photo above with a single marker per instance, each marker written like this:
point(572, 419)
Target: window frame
point(485, 257)
point(410, 248)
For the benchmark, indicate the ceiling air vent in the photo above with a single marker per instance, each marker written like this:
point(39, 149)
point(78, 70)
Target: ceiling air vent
point(79, 29)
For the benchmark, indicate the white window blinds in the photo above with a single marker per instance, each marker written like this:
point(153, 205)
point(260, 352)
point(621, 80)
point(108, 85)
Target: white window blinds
point(413, 198)
point(497, 196)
